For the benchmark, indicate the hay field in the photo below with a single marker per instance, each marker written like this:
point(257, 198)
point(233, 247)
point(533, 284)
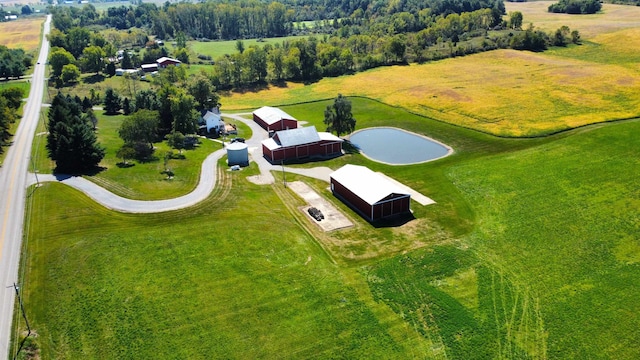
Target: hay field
point(505, 92)
point(23, 33)
point(612, 18)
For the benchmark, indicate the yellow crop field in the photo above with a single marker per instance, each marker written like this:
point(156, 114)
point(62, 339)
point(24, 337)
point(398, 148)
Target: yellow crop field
point(23, 33)
point(506, 92)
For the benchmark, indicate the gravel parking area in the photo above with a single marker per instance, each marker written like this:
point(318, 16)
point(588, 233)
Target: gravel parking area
point(333, 219)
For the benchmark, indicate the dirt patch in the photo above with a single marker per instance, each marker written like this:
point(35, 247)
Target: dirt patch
point(333, 218)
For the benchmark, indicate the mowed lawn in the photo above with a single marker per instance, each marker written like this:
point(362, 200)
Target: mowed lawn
point(232, 277)
point(216, 49)
point(504, 92)
point(22, 33)
point(549, 268)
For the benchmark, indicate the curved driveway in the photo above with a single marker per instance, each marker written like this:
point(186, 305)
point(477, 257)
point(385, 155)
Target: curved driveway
point(203, 189)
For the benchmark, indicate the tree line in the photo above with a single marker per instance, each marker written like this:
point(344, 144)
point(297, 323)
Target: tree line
point(13, 62)
point(309, 59)
point(576, 6)
point(224, 20)
point(10, 99)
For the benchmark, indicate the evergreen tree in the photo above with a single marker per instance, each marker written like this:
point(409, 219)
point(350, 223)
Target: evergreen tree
point(126, 106)
point(110, 69)
point(71, 143)
point(112, 102)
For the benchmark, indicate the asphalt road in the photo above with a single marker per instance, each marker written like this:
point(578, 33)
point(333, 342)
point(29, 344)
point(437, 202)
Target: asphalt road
point(13, 184)
point(203, 189)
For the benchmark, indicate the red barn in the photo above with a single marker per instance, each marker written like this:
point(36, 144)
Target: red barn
point(164, 61)
point(301, 143)
point(372, 195)
point(271, 118)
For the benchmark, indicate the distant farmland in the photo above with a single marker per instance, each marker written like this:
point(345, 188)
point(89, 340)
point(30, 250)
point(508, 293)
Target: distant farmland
point(504, 92)
point(23, 33)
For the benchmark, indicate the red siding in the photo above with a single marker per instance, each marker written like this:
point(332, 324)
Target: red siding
point(283, 124)
point(351, 199)
point(394, 204)
point(323, 148)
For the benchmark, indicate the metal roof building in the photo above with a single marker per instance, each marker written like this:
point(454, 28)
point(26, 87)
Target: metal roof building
point(369, 193)
point(301, 143)
point(275, 119)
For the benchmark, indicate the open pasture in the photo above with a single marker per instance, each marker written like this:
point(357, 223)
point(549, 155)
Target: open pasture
point(503, 92)
point(22, 33)
point(215, 49)
point(611, 18)
point(545, 268)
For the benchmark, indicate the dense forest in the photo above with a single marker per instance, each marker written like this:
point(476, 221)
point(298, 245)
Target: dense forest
point(223, 20)
point(576, 6)
point(362, 35)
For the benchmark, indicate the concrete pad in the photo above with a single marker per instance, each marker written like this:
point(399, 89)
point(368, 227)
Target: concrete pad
point(333, 218)
point(421, 199)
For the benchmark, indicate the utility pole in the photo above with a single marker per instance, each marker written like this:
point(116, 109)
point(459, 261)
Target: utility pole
point(24, 315)
point(284, 178)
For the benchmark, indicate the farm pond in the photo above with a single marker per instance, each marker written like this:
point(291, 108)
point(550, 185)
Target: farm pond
point(397, 147)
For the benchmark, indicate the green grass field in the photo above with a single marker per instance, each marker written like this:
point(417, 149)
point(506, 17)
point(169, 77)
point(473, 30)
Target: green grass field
point(521, 240)
point(531, 251)
point(215, 49)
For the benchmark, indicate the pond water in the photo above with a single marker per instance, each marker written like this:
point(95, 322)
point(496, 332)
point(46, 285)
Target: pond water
point(397, 147)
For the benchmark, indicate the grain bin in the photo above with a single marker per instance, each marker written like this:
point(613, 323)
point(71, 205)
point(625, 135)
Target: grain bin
point(237, 154)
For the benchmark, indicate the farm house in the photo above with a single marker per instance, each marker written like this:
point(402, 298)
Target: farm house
point(372, 195)
point(301, 143)
point(212, 121)
point(271, 118)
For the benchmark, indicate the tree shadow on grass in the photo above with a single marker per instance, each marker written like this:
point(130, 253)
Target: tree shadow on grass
point(93, 79)
point(61, 175)
point(124, 165)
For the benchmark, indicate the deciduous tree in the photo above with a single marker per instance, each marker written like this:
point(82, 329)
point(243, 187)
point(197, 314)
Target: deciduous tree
point(70, 73)
point(140, 127)
point(338, 117)
point(58, 58)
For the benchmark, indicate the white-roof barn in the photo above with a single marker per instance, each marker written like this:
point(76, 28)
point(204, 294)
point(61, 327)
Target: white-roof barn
point(275, 119)
point(369, 193)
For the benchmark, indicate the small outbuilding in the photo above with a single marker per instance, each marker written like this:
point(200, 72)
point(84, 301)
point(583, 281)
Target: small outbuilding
point(121, 72)
point(301, 143)
point(238, 154)
point(149, 67)
point(274, 119)
point(370, 194)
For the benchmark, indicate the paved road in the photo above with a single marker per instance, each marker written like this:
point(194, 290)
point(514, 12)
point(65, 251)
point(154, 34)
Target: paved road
point(13, 180)
point(203, 189)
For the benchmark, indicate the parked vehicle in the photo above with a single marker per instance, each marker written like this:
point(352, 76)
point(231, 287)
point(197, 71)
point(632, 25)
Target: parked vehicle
point(238, 139)
point(315, 213)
